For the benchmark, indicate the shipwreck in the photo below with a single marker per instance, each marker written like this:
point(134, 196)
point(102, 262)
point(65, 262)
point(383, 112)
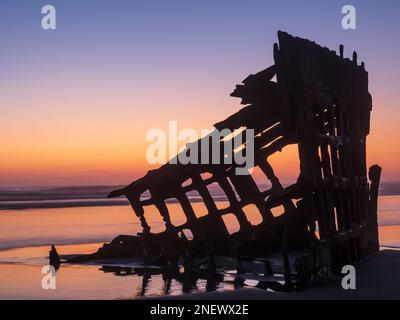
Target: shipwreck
point(311, 97)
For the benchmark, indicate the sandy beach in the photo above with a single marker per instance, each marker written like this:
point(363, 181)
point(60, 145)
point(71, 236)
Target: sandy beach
point(27, 235)
point(25, 243)
point(378, 277)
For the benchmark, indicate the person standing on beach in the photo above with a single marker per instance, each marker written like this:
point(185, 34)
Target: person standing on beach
point(54, 257)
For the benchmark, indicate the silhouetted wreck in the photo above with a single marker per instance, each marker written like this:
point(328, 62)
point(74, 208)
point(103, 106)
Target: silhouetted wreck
point(320, 101)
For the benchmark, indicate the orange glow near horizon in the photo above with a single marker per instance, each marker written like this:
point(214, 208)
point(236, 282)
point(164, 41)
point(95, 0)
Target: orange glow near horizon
point(53, 144)
point(113, 150)
point(76, 103)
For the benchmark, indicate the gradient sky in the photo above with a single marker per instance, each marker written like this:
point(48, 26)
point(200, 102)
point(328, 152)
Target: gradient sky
point(76, 102)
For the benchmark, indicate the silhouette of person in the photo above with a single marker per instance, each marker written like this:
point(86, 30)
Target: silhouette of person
point(54, 257)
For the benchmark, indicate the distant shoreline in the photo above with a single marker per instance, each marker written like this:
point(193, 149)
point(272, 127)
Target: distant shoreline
point(74, 203)
point(95, 196)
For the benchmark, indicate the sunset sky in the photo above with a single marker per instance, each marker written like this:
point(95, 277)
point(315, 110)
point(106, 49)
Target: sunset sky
point(76, 102)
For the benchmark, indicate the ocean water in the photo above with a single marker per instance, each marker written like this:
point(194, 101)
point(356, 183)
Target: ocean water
point(26, 234)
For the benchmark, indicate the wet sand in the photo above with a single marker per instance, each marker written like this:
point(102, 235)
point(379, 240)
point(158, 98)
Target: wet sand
point(74, 231)
point(378, 277)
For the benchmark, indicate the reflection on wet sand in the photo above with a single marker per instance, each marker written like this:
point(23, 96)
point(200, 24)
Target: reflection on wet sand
point(188, 280)
point(195, 280)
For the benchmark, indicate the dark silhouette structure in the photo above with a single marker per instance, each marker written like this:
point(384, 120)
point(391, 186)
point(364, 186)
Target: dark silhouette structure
point(54, 258)
point(320, 102)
